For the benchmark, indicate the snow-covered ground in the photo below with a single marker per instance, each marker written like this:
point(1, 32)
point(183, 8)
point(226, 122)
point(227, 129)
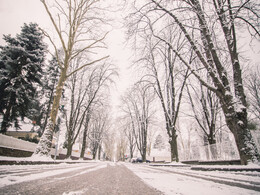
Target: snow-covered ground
point(181, 180)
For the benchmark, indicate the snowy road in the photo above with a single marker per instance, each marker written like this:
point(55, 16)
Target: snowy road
point(71, 179)
point(115, 178)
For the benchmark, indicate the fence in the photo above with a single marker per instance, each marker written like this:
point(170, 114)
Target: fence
point(219, 151)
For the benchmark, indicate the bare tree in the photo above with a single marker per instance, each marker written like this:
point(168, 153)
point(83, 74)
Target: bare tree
point(109, 145)
point(75, 116)
point(127, 127)
point(253, 87)
point(169, 89)
point(150, 138)
point(209, 27)
point(205, 107)
point(74, 22)
point(85, 133)
point(138, 109)
point(84, 90)
point(164, 71)
point(121, 146)
point(99, 126)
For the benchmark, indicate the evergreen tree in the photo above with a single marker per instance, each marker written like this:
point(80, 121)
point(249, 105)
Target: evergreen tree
point(40, 108)
point(21, 70)
point(50, 81)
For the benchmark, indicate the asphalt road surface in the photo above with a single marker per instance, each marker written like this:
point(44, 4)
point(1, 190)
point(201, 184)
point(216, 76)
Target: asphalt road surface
point(104, 178)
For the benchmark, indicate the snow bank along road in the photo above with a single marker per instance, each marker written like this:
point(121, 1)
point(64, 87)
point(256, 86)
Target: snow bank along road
point(123, 178)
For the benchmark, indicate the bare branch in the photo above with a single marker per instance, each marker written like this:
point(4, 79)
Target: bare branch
point(88, 64)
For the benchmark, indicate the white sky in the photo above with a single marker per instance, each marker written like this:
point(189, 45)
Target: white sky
point(14, 13)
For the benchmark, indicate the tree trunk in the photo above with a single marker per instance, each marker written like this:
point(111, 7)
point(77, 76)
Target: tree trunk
point(243, 137)
point(84, 142)
point(6, 117)
point(48, 111)
point(69, 151)
point(69, 147)
point(131, 152)
point(211, 137)
point(44, 146)
point(94, 153)
point(99, 152)
point(212, 144)
point(144, 153)
point(144, 146)
point(5, 122)
point(174, 148)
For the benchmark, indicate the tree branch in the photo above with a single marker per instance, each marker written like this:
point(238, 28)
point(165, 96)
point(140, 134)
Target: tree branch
point(88, 64)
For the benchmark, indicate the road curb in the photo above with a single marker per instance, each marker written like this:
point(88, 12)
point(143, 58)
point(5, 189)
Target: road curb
point(10, 162)
point(225, 169)
point(169, 165)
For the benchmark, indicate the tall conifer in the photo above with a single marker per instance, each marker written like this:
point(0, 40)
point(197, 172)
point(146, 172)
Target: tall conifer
point(21, 69)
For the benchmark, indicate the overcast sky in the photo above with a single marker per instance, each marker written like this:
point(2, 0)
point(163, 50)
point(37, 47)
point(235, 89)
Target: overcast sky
point(14, 13)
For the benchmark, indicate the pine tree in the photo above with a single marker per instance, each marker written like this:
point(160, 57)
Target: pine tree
point(50, 81)
point(21, 69)
point(40, 108)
